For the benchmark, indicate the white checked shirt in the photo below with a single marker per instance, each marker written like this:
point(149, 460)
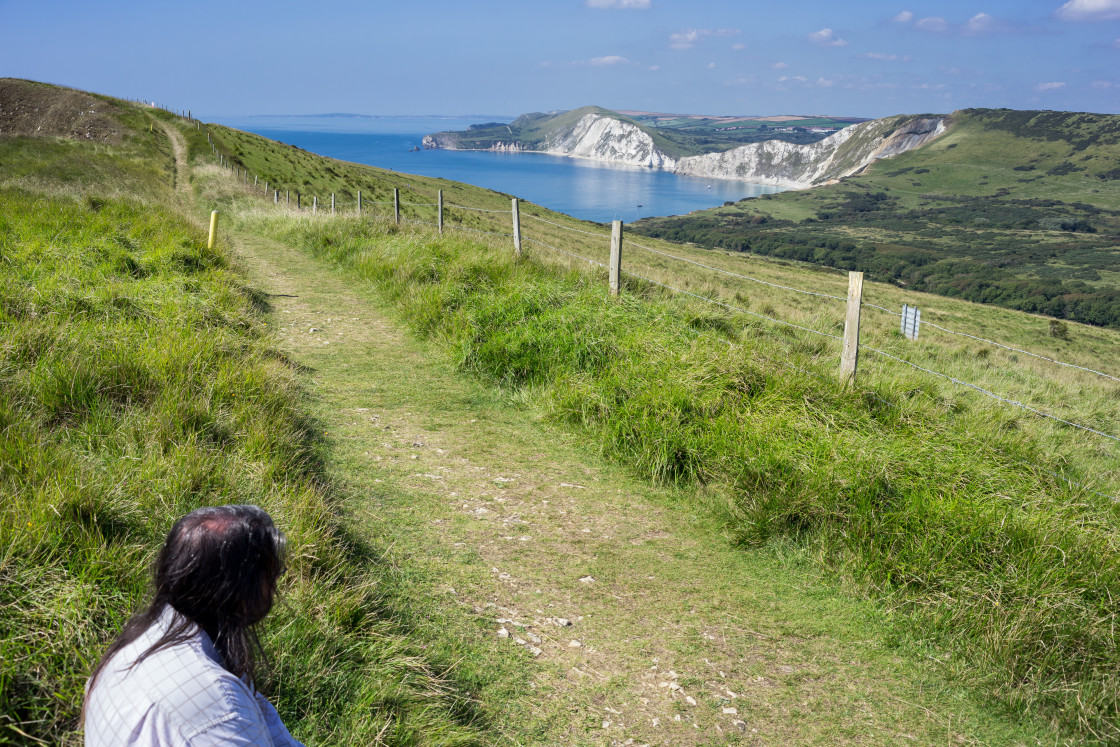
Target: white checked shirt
point(178, 697)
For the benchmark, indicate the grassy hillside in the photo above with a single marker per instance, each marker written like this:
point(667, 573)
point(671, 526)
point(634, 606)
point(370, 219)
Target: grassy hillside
point(137, 382)
point(1018, 209)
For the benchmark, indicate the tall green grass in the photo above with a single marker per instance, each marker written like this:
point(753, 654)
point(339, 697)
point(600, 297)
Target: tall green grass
point(137, 382)
point(947, 514)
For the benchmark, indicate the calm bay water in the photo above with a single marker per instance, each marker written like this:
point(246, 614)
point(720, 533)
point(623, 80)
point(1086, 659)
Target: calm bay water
point(585, 189)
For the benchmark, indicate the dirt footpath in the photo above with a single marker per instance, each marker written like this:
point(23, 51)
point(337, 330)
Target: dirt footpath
point(640, 624)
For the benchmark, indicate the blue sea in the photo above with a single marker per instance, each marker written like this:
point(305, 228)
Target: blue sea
point(585, 189)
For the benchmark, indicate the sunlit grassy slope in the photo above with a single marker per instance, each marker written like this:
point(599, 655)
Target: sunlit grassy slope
point(138, 381)
point(953, 506)
point(142, 383)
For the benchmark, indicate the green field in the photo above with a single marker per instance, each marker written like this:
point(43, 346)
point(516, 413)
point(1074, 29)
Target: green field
point(142, 375)
point(1016, 209)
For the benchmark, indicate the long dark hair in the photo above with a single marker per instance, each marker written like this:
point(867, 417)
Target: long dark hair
point(217, 570)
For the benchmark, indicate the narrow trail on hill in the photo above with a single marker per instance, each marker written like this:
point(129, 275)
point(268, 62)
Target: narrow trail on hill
point(182, 165)
point(674, 637)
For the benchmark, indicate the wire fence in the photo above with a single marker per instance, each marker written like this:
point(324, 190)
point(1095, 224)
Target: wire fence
point(520, 234)
point(737, 275)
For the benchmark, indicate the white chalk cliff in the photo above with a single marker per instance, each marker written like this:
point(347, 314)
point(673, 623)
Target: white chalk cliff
point(608, 139)
point(605, 138)
point(847, 152)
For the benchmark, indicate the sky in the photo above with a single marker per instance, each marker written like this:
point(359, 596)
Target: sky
point(506, 57)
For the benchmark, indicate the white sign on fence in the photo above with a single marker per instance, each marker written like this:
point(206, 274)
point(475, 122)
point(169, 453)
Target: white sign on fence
point(911, 321)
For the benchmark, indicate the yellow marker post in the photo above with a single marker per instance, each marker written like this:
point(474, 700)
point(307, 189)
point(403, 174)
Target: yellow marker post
point(213, 229)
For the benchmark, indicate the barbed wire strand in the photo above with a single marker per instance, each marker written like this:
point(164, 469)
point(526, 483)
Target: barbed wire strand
point(1074, 483)
point(566, 228)
point(475, 230)
point(732, 308)
point(880, 308)
point(1055, 361)
point(735, 274)
point(1018, 350)
point(991, 394)
point(477, 210)
point(557, 249)
point(420, 204)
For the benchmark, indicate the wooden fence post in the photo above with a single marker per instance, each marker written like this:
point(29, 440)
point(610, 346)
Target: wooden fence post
point(850, 356)
point(359, 202)
point(440, 209)
point(397, 205)
point(332, 203)
point(616, 257)
point(516, 228)
point(299, 201)
point(287, 198)
point(275, 197)
point(254, 180)
point(213, 229)
point(315, 204)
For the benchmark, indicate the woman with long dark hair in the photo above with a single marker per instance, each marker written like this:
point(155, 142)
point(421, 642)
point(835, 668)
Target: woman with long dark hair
point(181, 670)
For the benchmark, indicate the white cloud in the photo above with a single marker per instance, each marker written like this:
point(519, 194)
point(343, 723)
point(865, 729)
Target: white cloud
point(980, 23)
point(611, 59)
point(1052, 86)
point(932, 23)
point(792, 79)
point(738, 47)
point(826, 37)
point(1103, 85)
point(780, 66)
point(1089, 10)
point(904, 17)
point(711, 66)
point(619, 4)
point(826, 82)
point(883, 56)
point(689, 38)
